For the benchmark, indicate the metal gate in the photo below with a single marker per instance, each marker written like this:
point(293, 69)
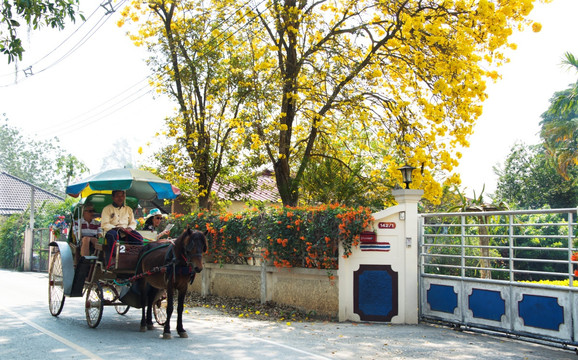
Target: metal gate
point(504, 271)
point(41, 238)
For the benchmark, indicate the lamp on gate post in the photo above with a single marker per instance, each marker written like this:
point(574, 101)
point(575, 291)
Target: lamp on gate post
point(406, 172)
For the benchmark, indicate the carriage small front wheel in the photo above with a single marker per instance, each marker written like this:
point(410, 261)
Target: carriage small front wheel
point(160, 309)
point(121, 309)
point(94, 304)
point(55, 285)
point(111, 295)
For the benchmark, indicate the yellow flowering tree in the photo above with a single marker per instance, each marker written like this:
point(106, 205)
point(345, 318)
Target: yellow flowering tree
point(381, 83)
point(205, 76)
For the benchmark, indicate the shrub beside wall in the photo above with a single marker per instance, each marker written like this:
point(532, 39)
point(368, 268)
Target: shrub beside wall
point(306, 237)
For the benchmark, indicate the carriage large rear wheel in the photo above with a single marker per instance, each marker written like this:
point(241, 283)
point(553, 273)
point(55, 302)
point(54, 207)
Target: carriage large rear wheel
point(55, 285)
point(160, 309)
point(94, 304)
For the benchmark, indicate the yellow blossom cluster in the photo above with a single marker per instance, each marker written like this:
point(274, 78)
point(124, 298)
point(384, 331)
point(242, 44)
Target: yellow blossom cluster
point(376, 82)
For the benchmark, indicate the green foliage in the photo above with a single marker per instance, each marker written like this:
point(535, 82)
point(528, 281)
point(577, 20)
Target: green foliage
point(450, 199)
point(287, 237)
point(52, 13)
point(529, 180)
point(329, 181)
point(447, 248)
point(560, 125)
point(11, 240)
point(535, 236)
point(69, 167)
point(12, 229)
point(541, 238)
point(41, 162)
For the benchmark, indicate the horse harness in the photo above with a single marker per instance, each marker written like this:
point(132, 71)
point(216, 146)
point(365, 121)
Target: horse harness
point(172, 265)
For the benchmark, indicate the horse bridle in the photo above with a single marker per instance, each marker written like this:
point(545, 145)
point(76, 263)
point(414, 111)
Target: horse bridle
point(172, 260)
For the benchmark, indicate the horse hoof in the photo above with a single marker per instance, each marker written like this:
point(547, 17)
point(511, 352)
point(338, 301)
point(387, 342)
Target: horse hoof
point(150, 326)
point(167, 336)
point(143, 329)
point(183, 334)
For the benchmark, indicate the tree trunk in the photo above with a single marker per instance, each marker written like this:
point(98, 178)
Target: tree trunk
point(285, 185)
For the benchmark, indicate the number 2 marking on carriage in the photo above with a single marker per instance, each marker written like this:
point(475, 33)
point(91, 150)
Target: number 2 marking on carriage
point(122, 249)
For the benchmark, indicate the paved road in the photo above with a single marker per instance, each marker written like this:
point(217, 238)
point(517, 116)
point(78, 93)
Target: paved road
point(28, 331)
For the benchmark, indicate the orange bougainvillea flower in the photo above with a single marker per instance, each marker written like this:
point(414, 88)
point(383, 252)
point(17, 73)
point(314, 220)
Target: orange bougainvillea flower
point(576, 273)
point(574, 257)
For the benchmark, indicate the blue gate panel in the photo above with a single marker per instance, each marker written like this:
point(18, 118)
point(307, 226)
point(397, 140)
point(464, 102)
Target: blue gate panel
point(541, 312)
point(442, 298)
point(375, 293)
point(487, 304)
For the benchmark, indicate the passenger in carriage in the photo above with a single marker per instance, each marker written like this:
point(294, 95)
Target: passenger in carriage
point(118, 223)
point(90, 230)
point(153, 221)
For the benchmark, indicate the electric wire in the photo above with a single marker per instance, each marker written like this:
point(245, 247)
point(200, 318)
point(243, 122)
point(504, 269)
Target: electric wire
point(79, 122)
point(91, 116)
point(100, 22)
point(78, 125)
point(68, 38)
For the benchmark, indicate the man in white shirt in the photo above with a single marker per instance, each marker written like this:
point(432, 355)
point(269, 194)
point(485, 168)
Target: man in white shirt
point(118, 223)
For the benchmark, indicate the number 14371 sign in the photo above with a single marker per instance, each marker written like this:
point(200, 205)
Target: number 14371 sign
point(386, 225)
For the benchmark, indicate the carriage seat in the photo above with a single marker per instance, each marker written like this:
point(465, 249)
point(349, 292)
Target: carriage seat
point(126, 256)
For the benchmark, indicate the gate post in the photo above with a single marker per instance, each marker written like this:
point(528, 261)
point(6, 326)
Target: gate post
point(379, 280)
point(27, 253)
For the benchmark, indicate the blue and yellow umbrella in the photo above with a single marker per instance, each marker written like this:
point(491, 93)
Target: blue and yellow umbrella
point(140, 184)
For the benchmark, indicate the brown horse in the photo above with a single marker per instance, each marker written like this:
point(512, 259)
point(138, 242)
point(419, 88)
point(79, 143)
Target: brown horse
point(179, 261)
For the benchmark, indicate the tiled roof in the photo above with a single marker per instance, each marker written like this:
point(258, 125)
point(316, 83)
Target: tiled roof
point(15, 195)
point(266, 190)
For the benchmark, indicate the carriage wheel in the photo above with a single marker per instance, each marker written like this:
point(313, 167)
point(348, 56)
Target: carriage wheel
point(121, 309)
point(160, 309)
point(55, 285)
point(94, 305)
point(111, 295)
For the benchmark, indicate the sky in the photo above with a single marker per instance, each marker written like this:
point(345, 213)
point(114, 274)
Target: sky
point(512, 111)
point(89, 88)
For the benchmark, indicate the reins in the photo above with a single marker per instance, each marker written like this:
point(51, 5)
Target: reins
point(170, 264)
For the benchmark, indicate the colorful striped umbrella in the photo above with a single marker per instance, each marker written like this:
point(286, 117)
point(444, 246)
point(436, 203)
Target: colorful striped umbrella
point(138, 183)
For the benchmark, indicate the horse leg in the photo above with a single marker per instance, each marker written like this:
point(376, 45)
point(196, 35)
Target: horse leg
point(143, 301)
point(170, 296)
point(180, 307)
point(151, 293)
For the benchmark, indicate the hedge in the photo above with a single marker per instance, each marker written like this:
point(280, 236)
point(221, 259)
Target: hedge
point(305, 237)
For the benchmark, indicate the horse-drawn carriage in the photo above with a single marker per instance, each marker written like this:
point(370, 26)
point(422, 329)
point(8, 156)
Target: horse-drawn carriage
point(103, 284)
point(109, 280)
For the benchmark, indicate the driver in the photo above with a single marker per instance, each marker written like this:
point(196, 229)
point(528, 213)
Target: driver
point(118, 223)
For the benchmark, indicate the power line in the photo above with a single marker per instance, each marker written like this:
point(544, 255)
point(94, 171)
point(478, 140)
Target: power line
point(94, 115)
point(29, 71)
point(112, 105)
